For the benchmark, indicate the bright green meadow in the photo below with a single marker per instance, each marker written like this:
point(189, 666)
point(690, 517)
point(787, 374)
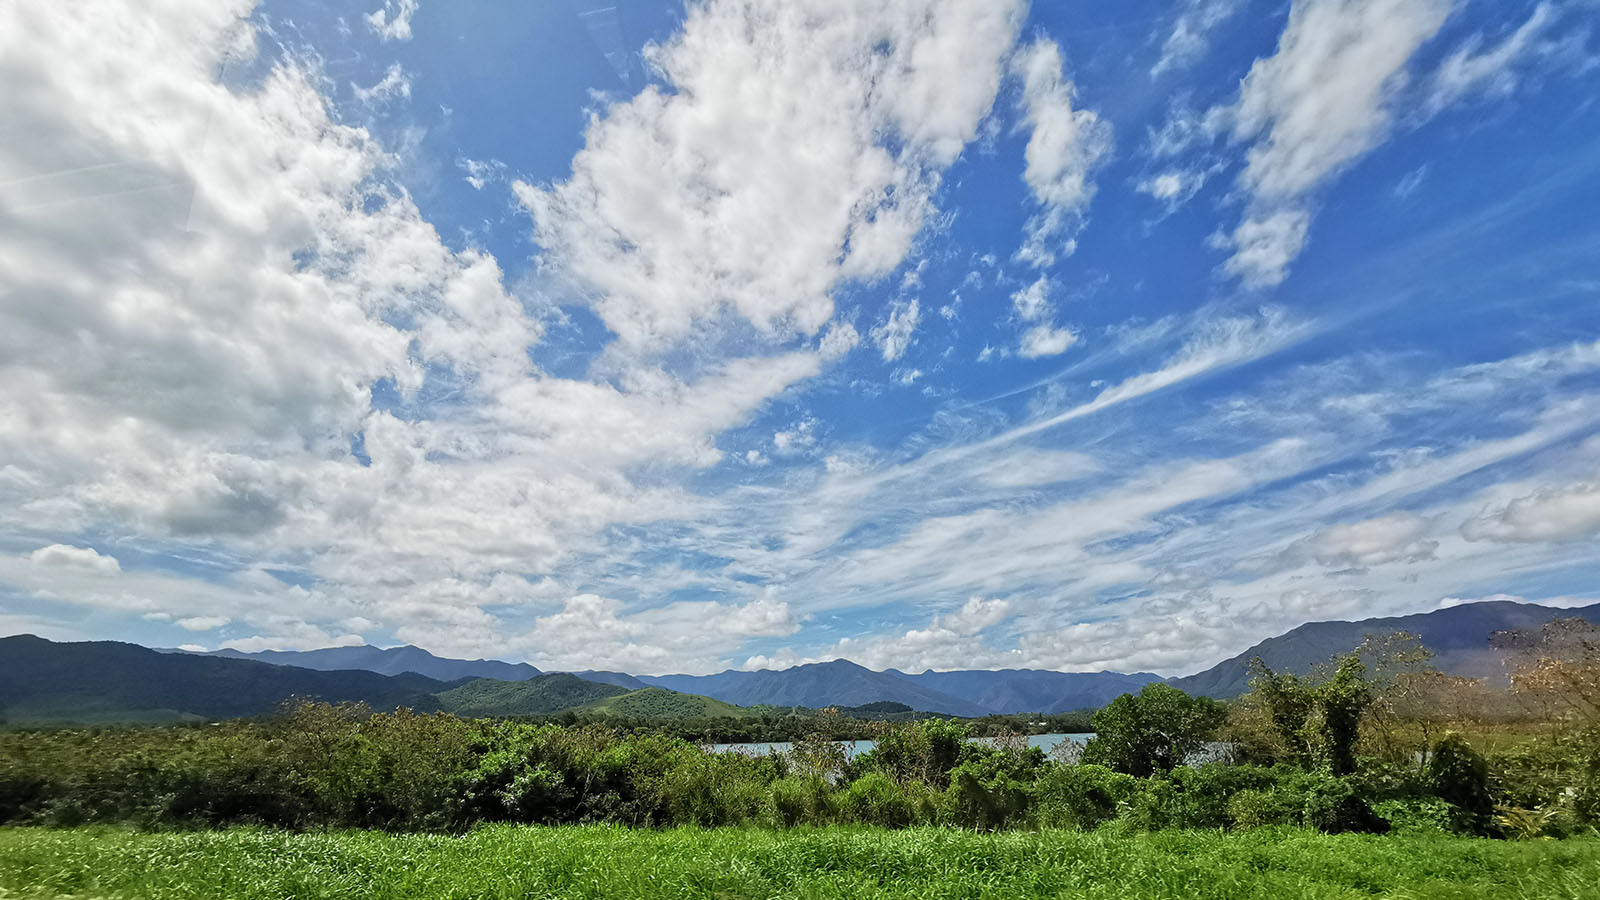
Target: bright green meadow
point(508, 861)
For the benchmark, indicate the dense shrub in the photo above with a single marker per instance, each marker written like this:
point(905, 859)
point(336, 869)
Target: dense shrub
point(346, 767)
point(917, 751)
point(1084, 797)
point(877, 799)
point(1460, 777)
point(1333, 806)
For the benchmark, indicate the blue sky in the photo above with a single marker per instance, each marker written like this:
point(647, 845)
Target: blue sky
point(665, 338)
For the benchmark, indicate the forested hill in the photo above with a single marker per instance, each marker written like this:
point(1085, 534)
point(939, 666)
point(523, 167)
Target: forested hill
point(111, 681)
point(388, 661)
point(1459, 637)
point(1009, 691)
point(836, 683)
point(537, 696)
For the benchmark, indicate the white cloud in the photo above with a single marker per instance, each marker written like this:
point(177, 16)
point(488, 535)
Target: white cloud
point(210, 282)
point(1044, 340)
point(202, 623)
point(1491, 71)
point(1264, 247)
point(1032, 304)
point(798, 149)
point(1065, 146)
point(83, 558)
point(392, 21)
point(294, 636)
point(395, 83)
point(1398, 537)
point(1557, 513)
point(591, 631)
point(1191, 31)
point(893, 334)
point(1324, 99)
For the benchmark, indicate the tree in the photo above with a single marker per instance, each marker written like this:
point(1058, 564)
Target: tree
point(1560, 667)
point(1155, 730)
point(1289, 702)
point(1336, 722)
point(1318, 723)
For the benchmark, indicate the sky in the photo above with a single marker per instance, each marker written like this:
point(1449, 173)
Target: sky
point(676, 338)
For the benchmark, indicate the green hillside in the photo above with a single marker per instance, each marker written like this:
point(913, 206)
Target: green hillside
point(538, 696)
point(97, 682)
point(660, 703)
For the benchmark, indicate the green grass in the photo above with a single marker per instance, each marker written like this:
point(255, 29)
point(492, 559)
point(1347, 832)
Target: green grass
point(733, 864)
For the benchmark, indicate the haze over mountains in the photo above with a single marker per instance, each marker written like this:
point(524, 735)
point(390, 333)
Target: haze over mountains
point(1457, 635)
point(42, 680)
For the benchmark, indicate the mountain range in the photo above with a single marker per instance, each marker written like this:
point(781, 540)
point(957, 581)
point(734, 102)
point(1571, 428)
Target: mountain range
point(389, 661)
point(1457, 635)
point(93, 681)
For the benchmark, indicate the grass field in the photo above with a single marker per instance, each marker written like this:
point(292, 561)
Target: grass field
point(732, 864)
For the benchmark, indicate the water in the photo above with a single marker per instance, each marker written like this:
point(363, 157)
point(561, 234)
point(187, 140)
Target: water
point(1045, 742)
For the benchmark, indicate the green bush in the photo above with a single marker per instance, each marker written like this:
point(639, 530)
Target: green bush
point(801, 800)
point(1258, 807)
point(1083, 797)
point(1460, 777)
point(923, 751)
point(1417, 815)
point(1334, 807)
point(877, 799)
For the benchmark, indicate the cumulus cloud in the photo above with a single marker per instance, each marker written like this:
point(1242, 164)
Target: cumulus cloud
point(591, 631)
point(1044, 340)
point(796, 147)
point(85, 559)
point(1557, 513)
point(1064, 147)
point(208, 285)
point(202, 623)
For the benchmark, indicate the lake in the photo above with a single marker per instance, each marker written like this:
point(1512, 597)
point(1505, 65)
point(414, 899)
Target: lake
point(1045, 742)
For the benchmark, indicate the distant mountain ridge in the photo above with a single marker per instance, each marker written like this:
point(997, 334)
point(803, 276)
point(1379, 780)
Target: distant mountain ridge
point(40, 678)
point(837, 683)
point(96, 681)
point(387, 661)
point(1457, 635)
point(1011, 691)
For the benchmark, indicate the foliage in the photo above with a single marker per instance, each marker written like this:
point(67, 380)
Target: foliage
point(1317, 723)
point(539, 695)
point(1460, 777)
point(1083, 797)
point(319, 765)
point(1155, 730)
point(660, 703)
point(1335, 723)
point(1288, 702)
point(918, 751)
point(1334, 806)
